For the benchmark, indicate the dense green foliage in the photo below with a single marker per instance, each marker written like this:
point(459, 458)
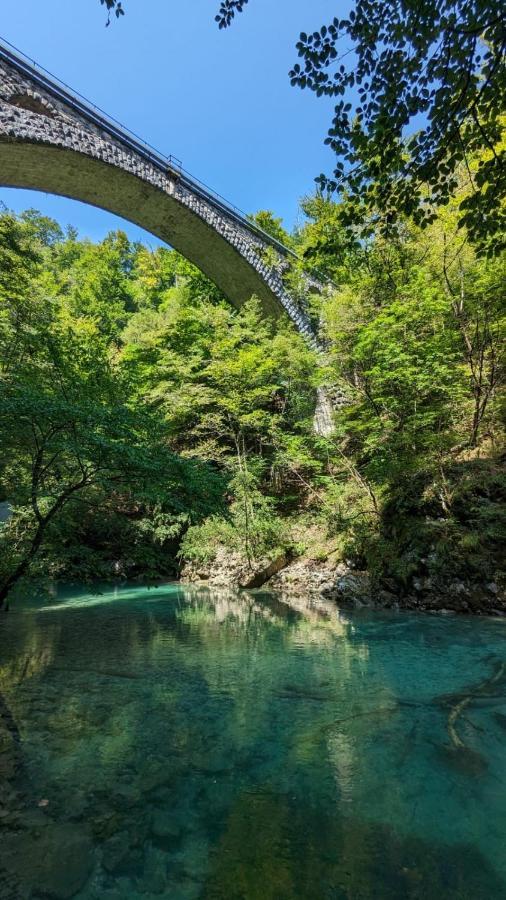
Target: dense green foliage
point(144, 422)
point(416, 331)
point(90, 473)
point(420, 89)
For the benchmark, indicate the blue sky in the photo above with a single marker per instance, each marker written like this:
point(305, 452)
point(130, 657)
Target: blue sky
point(221, 101)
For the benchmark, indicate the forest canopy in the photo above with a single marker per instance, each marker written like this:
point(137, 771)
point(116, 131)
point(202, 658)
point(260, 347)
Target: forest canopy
point(147, 425)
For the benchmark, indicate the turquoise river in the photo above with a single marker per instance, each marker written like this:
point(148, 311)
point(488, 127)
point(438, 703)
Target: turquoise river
point(189, 743)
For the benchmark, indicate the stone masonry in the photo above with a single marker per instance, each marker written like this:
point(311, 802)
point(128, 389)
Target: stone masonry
point(52, 141)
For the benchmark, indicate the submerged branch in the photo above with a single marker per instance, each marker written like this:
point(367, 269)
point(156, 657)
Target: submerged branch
point(458, 708)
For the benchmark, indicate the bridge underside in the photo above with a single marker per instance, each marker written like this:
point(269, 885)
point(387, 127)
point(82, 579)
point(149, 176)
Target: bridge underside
point(53, 141)
point(70, 174)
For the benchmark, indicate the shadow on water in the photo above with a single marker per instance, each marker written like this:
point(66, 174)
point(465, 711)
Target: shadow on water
point(278, 848)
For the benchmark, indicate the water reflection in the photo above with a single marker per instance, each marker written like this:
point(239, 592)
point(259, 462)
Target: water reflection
point(180, 742)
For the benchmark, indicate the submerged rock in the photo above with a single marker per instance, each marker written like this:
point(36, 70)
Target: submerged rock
point(156, 774)
point(126, 796)
point(166, 825)
point(464, 760)
point(115, 850)
point(56, 860)
point(194, 856)
point(500, 719)
point(155, 871)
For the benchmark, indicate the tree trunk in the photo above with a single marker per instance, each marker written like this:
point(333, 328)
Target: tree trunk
point(43, 522)
point(23, 565)
point(262, 575)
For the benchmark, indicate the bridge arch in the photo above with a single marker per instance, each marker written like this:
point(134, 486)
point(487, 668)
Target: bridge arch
point(53, 141)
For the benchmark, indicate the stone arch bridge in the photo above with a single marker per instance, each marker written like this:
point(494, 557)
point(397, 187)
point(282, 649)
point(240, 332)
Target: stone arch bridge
point(52, 140)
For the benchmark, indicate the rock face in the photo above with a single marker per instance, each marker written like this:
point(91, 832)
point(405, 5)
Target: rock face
point(352, 589)
point(225, 570)
point(262, 575)
point(469, 597)
point(323, 422)
point(231, 570)
point(349, 587)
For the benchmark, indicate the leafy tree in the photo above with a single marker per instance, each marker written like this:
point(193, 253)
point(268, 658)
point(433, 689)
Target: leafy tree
point(323, 244)
point(272, 225)
point(94, 280)
point(68, 431)
point(431, 85)
point(415, 334)
point(115, 6)
point(234, 391)
point(142, 418)
point(423, 88)
point(64, 451)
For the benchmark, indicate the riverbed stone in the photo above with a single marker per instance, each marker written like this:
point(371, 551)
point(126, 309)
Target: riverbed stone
point(155, 871)
point(183, 890)
point(166, 826)
point(194, 856)
point(10, 758)
point(156, 774)
point(126, 796)
point(106, 823)
point(115, 850)
point(56, 860)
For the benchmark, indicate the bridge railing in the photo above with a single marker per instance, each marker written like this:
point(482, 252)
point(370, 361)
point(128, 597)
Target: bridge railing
point(58, 88)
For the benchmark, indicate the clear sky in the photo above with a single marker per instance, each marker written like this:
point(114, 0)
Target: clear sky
point(220, 101)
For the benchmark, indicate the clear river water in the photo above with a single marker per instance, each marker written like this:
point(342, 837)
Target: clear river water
point(189, 743)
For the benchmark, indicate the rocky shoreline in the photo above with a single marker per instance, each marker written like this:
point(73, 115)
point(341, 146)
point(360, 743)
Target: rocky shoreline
point(349, 587)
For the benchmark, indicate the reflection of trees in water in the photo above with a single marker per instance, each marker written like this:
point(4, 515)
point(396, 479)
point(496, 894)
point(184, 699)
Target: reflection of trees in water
point(191, 680)
point(105, 670)
point(195, 682)
point(233, 711)
point(26, 650)
point(276, 847)
point(300, 620)
point(285, 695)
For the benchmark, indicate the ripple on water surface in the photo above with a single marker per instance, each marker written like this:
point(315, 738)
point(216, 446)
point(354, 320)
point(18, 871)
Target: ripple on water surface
point(189, 743)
